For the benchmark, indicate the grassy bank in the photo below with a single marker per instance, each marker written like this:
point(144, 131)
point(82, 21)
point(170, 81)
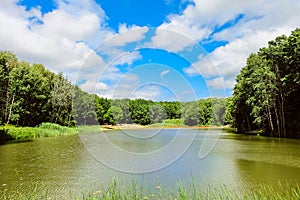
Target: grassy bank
point(116, 191)
point(10, 132)
point(169, 123)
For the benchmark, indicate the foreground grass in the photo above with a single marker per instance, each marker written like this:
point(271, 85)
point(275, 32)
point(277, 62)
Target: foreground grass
point(191, 191)
point(115, 191)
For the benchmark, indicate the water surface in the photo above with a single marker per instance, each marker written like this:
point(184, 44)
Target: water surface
point(65, 164)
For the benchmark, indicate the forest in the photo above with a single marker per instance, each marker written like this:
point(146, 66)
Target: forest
point(31, 94)
point(265, 98)
point(267, 93)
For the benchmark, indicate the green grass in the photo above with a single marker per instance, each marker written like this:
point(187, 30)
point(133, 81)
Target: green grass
point(168, 123)
point(10, 132)
point(89, 129)
point(15, 133)
point(191, 192)
point(18, 133)
point(53, 130)
point(116, 191)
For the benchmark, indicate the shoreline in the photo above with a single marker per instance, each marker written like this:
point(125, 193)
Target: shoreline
point(137, 127)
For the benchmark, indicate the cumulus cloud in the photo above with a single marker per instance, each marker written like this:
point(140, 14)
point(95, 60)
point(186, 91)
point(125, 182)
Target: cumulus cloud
point(94, 87)
point(204, 67)
point(250, 25)
point(114, 47)
point(55, 39)
point(169, 40)
point(126, 34)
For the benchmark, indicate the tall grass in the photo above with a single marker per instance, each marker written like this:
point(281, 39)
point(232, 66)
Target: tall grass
point(43, 130)
point(133, 191)
point(192, 192)
point(53, 130)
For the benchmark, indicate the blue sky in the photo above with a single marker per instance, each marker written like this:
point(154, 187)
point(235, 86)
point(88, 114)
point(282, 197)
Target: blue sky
point(161, 49)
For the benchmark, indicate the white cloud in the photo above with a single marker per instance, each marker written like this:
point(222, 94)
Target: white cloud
point(81, 7)
point(127, 58)
point(60, 24)
point(56, 39)
point(169, 40)
point(94, 87)
point(219, 83)
point(260, 22)
point(164, 72)
point(123, 87)
point(128, 86)
point(126, 35)
point(114, 47)
point(147, 92)
point(204, 67)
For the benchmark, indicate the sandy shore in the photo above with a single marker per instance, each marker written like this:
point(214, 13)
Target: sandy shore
point(137, 126)
point(122, 126)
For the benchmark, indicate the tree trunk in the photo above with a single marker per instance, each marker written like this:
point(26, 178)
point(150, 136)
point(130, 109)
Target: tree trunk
point(270, 120)
point(6, 105)
point(282, 114)
point(277, 121)
point(10, 109)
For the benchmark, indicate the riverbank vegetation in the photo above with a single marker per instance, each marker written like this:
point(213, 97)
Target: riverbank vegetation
point(11, 132)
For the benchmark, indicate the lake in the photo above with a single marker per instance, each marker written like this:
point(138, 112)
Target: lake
point(80, 163)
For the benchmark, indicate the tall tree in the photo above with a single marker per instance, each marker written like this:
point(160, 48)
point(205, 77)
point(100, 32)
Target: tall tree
point(8, 62)
point(61, 100)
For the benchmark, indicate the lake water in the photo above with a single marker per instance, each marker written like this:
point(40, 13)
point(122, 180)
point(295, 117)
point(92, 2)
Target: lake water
point(152, 157)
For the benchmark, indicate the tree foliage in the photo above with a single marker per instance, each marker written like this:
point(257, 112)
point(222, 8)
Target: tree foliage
point(267, 94)
point(31, 94)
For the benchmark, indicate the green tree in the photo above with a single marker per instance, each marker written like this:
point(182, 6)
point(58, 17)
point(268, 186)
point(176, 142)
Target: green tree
point(8, 62)
point(190, 113)
point(101, 106)
point(139, 111)
point(84, 109)
point(157, 113)
point(61, 100)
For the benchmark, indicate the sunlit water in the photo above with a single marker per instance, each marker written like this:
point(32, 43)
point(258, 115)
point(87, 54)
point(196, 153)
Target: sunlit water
point(65, 164)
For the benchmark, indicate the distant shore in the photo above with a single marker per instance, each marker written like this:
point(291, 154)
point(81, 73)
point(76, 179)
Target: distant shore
point(137, 126)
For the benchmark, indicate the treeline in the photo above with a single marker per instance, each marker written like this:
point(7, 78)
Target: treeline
point(211, 111)
point(267, 94)
point(31, 94)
